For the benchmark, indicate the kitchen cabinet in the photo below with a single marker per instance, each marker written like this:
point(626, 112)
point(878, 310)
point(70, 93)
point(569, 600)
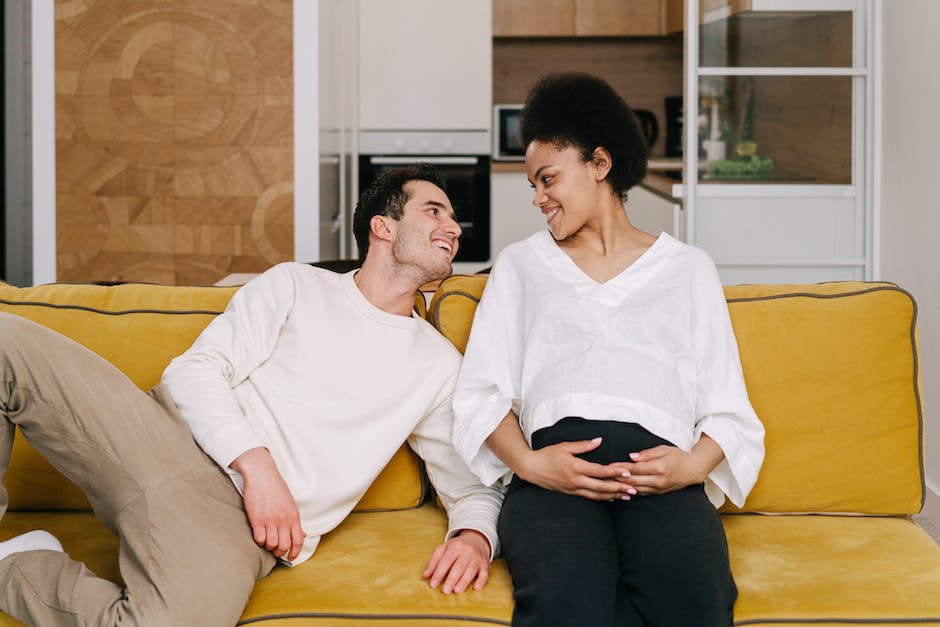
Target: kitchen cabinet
point(578, 18)
point(653, 212)
point(512, 215)
point(425, 65)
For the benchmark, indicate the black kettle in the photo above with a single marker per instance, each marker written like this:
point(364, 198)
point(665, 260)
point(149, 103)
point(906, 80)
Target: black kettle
point(648, 125)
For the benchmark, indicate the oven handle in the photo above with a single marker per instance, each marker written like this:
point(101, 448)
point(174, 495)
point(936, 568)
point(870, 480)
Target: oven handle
point(417, 158)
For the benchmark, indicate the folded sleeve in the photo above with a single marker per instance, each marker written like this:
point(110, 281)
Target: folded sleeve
point(202, 380)
point(723, 410)
point(489, 380)
point(469, 503)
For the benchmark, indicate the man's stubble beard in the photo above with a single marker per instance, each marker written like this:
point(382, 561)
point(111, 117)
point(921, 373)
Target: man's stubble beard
point(407, 258)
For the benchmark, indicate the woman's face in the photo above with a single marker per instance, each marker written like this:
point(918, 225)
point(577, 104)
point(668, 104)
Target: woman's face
point(567, 188)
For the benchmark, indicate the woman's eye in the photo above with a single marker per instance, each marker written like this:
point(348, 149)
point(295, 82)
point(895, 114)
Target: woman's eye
point(546, 180)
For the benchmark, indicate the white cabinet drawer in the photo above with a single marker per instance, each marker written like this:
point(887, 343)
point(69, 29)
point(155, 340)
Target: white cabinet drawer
point(779, 228)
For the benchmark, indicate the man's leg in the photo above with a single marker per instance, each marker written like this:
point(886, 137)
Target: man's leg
point(186, 554)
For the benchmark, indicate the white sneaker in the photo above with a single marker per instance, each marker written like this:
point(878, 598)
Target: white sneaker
point(38, 540)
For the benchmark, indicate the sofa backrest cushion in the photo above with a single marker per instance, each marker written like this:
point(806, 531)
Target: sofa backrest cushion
point(139, 328)
point(832, 371)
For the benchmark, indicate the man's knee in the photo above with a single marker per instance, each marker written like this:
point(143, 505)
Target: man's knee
point(16, 331)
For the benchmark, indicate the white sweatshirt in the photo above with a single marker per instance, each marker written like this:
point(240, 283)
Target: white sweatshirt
point(652, 346)
point(302, 364)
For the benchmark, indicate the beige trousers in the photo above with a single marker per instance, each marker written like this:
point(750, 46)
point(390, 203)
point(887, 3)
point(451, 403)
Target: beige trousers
point(186, 552)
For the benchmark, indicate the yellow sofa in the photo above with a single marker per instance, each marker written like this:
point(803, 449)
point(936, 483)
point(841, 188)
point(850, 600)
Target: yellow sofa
point(825, 538)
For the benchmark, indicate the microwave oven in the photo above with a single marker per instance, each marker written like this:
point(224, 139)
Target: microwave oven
point(507, 143)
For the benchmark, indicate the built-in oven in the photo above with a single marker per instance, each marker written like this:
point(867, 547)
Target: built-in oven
point(468, 187)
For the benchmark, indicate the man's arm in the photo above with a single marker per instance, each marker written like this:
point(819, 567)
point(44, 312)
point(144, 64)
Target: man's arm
point(472, 508)
point(272, 510)
point(202, 382)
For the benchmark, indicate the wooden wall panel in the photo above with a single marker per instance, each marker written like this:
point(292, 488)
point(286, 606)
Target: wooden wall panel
point(174, 138)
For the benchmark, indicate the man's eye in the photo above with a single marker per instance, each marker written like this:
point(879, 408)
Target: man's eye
point(433, 211)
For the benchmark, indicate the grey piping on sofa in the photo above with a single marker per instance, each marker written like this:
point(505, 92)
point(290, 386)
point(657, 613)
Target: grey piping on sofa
point(29, 303)
point(469, 619)
point(879, 287)
point(840, 621)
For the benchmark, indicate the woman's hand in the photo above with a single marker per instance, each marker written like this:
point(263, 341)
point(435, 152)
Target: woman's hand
point(666, 468)
point(558, 468)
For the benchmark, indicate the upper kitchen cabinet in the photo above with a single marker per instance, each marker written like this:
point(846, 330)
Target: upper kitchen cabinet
point(425, 65)
point(579, 18)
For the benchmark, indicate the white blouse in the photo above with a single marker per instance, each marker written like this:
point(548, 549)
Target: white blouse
point(652, 346)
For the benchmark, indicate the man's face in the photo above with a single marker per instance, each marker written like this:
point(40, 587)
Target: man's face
point(426, 236)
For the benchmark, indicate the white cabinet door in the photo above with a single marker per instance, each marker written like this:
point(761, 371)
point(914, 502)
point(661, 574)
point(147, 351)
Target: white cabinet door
point(652, 212)
point(512, 215)
point(425, 65)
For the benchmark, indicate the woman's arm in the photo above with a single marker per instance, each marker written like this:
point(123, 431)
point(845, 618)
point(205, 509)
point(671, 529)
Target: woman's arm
point(557, 467)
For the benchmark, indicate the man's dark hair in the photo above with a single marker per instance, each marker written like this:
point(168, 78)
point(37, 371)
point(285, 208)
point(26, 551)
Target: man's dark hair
point(386, 196)
point(583, 111)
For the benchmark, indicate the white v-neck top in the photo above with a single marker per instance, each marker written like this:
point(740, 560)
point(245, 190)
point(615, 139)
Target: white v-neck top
point(652, 346)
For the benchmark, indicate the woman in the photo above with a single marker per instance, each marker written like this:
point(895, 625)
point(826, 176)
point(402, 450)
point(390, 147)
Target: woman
point(602, 371)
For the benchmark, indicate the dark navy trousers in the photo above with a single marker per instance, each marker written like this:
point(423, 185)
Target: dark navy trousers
point(652, 561)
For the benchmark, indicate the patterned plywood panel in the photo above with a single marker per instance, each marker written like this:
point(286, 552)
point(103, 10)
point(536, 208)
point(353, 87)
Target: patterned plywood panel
point(174, 138)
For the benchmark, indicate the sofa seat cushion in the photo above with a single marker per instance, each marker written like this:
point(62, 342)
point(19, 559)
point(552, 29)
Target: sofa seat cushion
point(369, 567)
point(829, 570)
point(139, 328)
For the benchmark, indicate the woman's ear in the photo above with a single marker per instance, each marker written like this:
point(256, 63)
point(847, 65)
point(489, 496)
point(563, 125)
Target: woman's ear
point(601, 162)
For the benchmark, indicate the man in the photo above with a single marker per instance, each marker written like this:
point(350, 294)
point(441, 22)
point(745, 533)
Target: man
point(297, 396)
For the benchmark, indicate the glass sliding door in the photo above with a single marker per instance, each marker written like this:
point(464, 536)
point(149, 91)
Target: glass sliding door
point(775, 181)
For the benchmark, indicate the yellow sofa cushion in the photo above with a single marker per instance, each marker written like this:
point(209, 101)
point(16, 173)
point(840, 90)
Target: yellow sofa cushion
point(823, 570)
point(139, 328)
point(367, 568)
point(833, 570)
point(831, 370)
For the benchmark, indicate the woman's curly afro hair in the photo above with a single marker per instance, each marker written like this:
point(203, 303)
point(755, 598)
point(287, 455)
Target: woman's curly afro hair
point(583, 111)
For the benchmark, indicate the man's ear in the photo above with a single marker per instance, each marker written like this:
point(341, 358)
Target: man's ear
point(601, 162)
point(382, 227)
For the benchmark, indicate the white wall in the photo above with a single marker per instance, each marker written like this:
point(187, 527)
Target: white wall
point(43, 122)
point(910, 205)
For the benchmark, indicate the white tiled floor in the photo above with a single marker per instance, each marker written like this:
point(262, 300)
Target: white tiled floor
point(921, 520)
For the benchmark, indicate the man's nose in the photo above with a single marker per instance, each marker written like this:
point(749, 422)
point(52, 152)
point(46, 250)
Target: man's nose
point(453, 226)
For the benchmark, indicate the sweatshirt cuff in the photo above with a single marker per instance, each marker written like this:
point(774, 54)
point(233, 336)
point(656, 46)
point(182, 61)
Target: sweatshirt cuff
point(226, 441)
point(490, 537)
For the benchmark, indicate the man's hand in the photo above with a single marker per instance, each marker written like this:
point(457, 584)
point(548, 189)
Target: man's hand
point(272, 510)
point(558, 468)
point(459, 561)
point(666, 468)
